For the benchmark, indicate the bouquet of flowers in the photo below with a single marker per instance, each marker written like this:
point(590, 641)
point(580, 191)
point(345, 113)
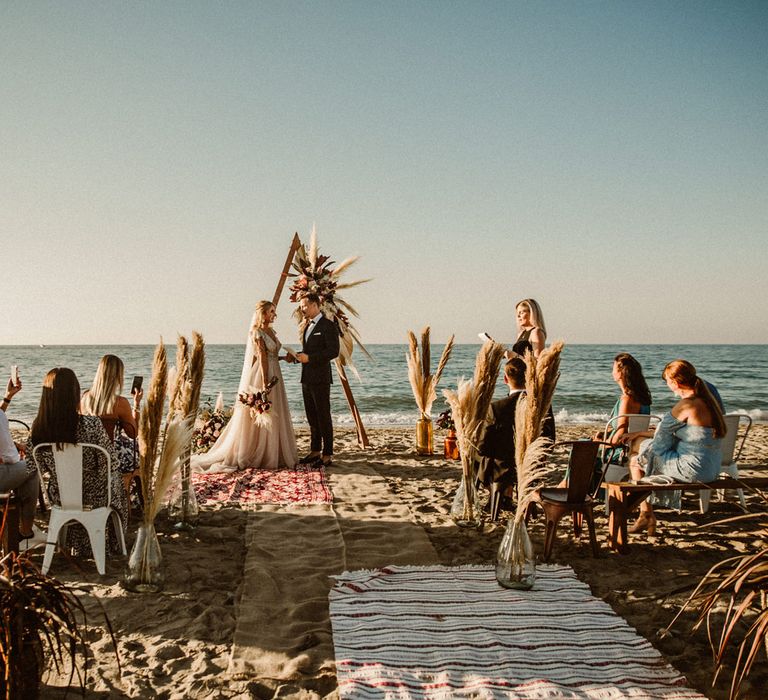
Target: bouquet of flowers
point(445, 420)
point(258, 402)
point(211, 423)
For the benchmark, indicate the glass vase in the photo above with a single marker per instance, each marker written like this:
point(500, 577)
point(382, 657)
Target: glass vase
point(515, 561)
point(145, 563)
point(182, 500)
point(451, 446)
point(424, 435)
point(465, 510)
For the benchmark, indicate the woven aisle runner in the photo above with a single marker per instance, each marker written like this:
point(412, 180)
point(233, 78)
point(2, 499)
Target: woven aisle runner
point(283, 627)
point(446, 632)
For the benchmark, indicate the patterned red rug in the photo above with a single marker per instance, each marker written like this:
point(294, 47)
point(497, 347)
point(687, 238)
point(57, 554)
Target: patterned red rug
point(301, 484)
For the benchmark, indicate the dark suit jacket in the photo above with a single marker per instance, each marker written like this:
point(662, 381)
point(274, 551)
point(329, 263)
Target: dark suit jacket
point(321, 346)
point(497, 444)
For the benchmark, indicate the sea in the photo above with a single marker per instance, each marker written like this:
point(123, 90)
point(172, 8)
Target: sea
point(585, 391)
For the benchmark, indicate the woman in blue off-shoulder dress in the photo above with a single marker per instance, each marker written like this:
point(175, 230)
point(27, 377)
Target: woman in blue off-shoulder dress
point(686, 445)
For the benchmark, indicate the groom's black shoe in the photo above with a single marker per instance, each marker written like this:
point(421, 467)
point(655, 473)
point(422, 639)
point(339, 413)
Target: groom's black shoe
point(310, 459)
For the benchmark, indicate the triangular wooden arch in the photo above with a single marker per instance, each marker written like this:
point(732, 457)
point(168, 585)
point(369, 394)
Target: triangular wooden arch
point(362, 436)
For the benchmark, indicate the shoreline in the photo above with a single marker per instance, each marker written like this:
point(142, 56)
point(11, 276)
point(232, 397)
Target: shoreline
point(181, 642)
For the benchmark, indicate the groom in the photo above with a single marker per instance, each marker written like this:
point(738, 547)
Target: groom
point(320, 346)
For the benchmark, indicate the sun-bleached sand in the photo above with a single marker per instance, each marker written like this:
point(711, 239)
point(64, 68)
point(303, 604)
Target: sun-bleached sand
point(244, 612)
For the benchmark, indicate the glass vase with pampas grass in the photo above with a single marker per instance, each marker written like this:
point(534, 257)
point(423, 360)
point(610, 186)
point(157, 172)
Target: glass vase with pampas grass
point(424, 384)
point(470, 404)
point(183, 402)
point(157, 466)
point(515, 560)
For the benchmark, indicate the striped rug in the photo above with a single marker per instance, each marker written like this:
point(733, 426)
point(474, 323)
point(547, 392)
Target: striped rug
point(453, 632)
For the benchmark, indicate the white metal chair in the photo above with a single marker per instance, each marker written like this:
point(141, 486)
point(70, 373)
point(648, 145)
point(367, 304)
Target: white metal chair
point(637, 423)
point(728, 465)
point(68, 463)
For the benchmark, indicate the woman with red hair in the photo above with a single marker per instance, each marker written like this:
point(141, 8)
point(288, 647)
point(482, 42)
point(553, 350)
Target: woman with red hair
point(687, 443)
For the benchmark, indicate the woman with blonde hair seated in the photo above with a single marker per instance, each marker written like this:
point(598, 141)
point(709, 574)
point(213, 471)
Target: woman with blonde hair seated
point(104, 400)
point(686, 445)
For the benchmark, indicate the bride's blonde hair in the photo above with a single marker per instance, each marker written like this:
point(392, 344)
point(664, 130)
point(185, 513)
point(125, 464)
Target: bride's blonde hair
point(261, 311)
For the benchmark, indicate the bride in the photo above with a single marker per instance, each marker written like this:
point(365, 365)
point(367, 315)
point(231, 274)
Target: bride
point(270, 442)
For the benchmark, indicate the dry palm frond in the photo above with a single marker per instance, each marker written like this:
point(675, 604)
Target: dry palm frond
point(344, 264)
point(151, 421)
point(742, 584)
point(348, 285)
point(177, 439)
point(540, 382)
point(423, 383)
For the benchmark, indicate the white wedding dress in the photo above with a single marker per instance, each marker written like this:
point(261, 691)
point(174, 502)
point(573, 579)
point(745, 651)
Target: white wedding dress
point(269, 443)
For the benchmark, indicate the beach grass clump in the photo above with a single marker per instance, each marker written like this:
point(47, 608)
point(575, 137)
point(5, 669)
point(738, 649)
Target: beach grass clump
point(740, 586)
point(423, 382)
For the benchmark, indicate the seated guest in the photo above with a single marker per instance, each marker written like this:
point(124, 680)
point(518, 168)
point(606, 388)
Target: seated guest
point(635, 398)
point(15, 474)
point(103, 399)
point(497, 444)
point(686, 445)
point(58, 421)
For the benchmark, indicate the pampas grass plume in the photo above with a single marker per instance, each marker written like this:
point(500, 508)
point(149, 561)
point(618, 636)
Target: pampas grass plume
point(151, 420)
point(177, 439)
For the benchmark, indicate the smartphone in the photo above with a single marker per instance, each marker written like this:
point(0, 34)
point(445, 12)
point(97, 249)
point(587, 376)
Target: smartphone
point(137, 382)
point(15, 375)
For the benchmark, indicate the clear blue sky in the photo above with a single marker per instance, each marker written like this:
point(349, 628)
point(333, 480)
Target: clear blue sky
point(607, 158)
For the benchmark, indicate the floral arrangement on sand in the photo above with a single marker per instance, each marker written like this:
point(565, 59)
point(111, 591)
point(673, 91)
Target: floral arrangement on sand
point(258, 402)
point(211, 423)
point(318, 274)
point(423, 383)
point(445, 420)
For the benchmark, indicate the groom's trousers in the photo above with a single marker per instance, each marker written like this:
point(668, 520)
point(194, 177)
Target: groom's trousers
point(317, 405)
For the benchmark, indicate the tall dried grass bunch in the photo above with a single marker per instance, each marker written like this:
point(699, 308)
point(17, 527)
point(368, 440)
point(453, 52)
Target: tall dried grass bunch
point(470, 404)
point(157, 470)
point(532, 450)
point(423, 383)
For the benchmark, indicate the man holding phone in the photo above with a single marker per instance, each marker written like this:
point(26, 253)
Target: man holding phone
point(15, 474)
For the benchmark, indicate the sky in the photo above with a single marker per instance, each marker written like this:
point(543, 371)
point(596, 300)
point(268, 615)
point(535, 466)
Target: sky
point(609, 159)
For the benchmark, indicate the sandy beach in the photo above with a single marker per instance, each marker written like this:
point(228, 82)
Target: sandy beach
point(244, 612)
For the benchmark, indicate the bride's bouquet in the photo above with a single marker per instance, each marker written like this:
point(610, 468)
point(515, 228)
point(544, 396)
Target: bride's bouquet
point(258, 402)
